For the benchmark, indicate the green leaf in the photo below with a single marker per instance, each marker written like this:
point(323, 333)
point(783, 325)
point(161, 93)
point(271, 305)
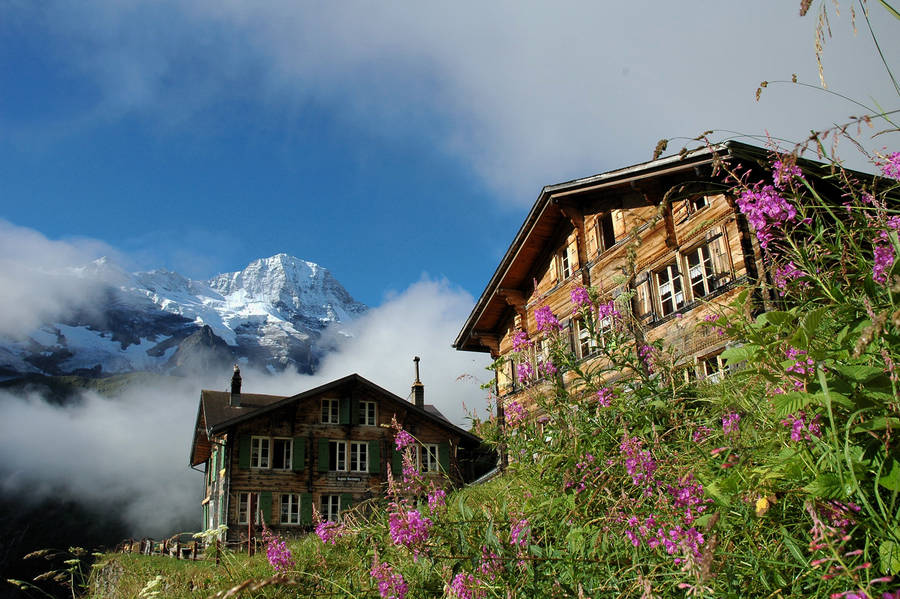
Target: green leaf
point(891, 480)
point(794, 401)
point(878, 423)
point(733, 355)
point(889, 552)
point(826, 486)
point(859, 373)
point(812, 320)
point(777, 318)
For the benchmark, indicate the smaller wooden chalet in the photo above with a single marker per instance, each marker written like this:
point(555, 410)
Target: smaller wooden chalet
point(328, 447)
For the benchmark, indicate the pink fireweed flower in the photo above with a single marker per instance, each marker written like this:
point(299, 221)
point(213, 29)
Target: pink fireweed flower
point(801, 429)
point(277, 553)
point(891, 165)
point(403, 439)
point(329, 532)
point(390, 584)
point(783, 171)
point(580, 297)
point(519, 532)
point(437, 498)
point(766, 210)
point(608, 310)
point(701, 433)
point(466, 586)
point(604, 396)
point(639, 463)
point(730, 423)
point(545, 319)
point(515, 413)
point(546, 367)
point(521, 341)
point(884, 259)
point(491, 564)
point(786, 273)
point(524, 371)
point(408, 528)
point(645, 353)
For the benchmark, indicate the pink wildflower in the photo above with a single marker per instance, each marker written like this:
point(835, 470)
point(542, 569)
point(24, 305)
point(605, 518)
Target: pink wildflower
point(604, 396)
point(437, 498)
point(408, 528)
point(884, 259)
point(515, 413)
point(521, 341)
point(785, 170)
point(766, 210)
point(524, 371)
point(730, 423)
point(891, 165)
point(545, 319)
point(786, 273)
point(390, 584)
point(580, 298)
point(466, 586)
point(329, 532)
point(277, 553)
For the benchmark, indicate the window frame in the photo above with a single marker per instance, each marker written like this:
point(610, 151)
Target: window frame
point(605, 232)
point(333, 505)
point(674, 275)
point(332, 413)
point(359, 455)
point(707, 280)
point(429, 458)
point(368, 413)
point(287, 456)
point(565, 265)
point(244, 506)
point(256, 452)
point(289, 505)
point(338, 456)
point(697, 203)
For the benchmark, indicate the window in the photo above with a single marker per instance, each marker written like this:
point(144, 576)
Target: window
point(668, 284)
point(565, 266)
point(430, 457)
point(359, 457)
point(290, 508)
point(281, 453)
point(585, 344)
point(330, 507)
point(337, 455)
point(244, 504)
point(330, 411)
point(711, 368)
point(701, 272)
point(259, 452)
point(697, 203)
point(606, 235)
point(367, 413)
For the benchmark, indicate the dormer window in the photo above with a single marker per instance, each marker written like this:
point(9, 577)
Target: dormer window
point(697, 203)
point(606, 235)
point(565, 265)
point(668, 285)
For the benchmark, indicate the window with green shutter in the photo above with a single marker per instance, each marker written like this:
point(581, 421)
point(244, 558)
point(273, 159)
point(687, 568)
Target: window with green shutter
point(345, 410)
point(305, 508)
point(346, 501)
point(375, 457)
point(244, 451)
point(396, 462)
point(323, 455)
point(444, 457)
point(265, 506)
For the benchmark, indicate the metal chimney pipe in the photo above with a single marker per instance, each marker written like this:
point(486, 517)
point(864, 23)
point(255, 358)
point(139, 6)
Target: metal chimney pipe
point(418, 389)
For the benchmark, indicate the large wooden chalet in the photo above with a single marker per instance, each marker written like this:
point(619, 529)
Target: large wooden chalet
point(695, 250)
point(328, 447)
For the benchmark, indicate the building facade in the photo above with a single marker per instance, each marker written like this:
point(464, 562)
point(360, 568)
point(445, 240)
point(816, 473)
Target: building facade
point(274, 458)
point(664, 232)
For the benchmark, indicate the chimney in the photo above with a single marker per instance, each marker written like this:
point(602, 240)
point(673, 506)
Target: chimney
point(418, 389)
point(235, 388)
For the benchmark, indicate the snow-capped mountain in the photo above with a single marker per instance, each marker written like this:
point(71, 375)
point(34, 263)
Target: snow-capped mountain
point(270, 314)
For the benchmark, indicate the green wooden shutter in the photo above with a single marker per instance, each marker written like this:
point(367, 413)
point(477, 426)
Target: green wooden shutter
point(346, 501)
point(344, 411)
point(444, 456)
point(396, 462)
point(375, 456)
point(305, 508)
point(244, 451)
point(298, 457)
point(354, 411)
point(323, 455)
point(265, 506)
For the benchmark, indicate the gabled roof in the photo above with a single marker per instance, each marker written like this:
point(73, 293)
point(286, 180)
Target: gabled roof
point(215, 415)
point(541, 226)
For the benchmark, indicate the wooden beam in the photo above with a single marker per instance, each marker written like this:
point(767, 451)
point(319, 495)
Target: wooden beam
point(574, 212)
point(488, 340)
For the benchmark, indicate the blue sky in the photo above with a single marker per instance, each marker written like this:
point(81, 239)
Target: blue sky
point(383, 142)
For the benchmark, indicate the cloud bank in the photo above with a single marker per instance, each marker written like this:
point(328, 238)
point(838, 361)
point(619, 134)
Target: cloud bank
point(521, 93)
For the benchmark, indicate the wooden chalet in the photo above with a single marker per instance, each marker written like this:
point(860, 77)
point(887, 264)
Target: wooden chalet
point(328, 447)
point(695, 249)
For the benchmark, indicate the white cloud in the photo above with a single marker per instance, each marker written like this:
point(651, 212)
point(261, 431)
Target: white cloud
point(524, 93)
point(33, 288)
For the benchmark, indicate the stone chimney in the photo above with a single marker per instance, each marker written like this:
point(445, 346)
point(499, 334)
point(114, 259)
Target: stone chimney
point(235, 388)
point(418, 389)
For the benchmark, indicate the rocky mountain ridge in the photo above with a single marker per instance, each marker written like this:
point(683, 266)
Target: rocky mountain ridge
point(271, 315)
